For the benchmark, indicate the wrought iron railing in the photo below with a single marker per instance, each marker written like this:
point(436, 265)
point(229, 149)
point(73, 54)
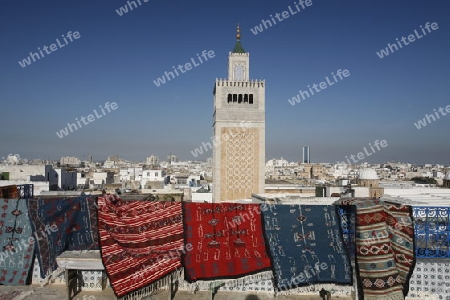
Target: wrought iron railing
point(432, 231)
point(26, 190)
point(347, 215)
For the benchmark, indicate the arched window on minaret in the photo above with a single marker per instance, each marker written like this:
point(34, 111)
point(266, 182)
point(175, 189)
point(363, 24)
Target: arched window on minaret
point(234, 98)
point(240, 98)
point(250, 101)
point(246, 98)
point(230, 98)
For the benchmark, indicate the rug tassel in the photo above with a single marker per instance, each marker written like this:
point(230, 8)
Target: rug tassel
point(202, 285)
point(154, 288)
point(314, 289)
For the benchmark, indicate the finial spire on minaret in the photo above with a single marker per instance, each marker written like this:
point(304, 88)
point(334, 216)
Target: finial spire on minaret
point(238, 47)
point(238, 34)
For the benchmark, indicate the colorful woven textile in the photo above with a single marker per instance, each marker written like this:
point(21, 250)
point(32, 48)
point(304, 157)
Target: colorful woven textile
point(384, 248)
point(140, 242)
point(62, 224)
point(227, 241)
point(16, 245)
point(306, 245)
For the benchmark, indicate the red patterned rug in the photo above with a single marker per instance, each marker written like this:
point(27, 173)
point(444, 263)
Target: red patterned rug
point(384, 247)
point(227, 240)
point(141, 242)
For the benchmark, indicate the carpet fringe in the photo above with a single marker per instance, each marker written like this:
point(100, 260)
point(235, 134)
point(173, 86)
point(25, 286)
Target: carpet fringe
point(50, 278)
point(155, 287)
point(23, 295)
point(334, 289)
point(203, 285)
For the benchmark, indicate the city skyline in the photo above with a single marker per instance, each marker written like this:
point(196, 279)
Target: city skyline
point(395, 55)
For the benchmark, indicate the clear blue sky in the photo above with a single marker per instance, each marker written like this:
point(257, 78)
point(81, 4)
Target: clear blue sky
point(118, 57)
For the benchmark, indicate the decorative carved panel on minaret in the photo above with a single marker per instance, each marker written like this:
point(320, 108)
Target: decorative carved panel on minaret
point(240, 165)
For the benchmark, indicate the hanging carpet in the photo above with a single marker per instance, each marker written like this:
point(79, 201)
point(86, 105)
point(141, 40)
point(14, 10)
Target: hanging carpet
point(141, 242)
point(227, 241)
point(384, 248)
point(306, 245)
point(16, 242)
point(62, 224)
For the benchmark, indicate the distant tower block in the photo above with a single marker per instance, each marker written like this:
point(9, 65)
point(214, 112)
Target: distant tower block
point(306, 158)
point(447, 180)
point(239, 130)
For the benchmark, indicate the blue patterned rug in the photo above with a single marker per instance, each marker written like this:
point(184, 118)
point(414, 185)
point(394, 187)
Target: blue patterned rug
point(306, 245)
point(62, 224)
point(16, 250)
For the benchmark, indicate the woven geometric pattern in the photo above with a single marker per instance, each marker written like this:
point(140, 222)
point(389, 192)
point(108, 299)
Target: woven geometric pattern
point(140, 242)
point(384, 247)
point(227, 241)
point(16, 242)
point(306, 245)
point(62, 224)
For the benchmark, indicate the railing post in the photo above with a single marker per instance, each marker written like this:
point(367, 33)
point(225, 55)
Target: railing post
point(326, 295)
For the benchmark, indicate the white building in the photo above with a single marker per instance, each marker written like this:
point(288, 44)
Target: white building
point(153, 175)
point(67, 179)
point(152, 160)
point(131, 174)
point(30, 173)
point(172, 158)
point(99, 179)
point(201, 195)
point(426, 174)
point(70, 161)
point(82, 181)
point(149, 176)
point(341, 170)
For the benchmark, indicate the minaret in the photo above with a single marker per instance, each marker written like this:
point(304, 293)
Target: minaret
point(239, 130)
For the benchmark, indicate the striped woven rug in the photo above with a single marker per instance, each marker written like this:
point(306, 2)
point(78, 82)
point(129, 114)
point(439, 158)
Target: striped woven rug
point(384, 248)
point(141, 242)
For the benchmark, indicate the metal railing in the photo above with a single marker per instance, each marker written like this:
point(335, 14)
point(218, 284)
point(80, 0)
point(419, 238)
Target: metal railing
point(432, 231)
point(26, 190)
point(347, 215)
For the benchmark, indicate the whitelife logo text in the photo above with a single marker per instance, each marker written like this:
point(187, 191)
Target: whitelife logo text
point(71, 36)
point(411, 38)
point(86, 120)
point(187, 66)
point(281, 17)
point(323, 85)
